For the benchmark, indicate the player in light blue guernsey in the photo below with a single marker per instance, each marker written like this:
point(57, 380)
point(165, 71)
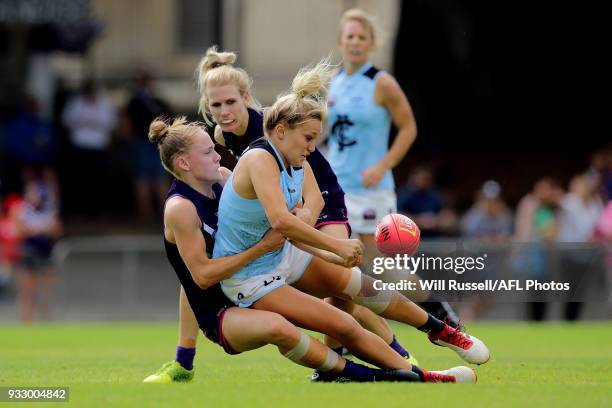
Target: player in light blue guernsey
point(264, 192)
point(243, 221)
point(359, 127)
point(363, 102)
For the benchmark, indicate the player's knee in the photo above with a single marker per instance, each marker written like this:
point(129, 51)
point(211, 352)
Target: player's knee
point(360, 314)
point(281, 332)
point(344, 305)
point(346, 329)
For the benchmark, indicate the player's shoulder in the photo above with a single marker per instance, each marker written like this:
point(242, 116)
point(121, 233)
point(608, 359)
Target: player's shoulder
point(260, 158)
point(387, 87)
point(178, 209)
point(385, 80)
point(256, 155)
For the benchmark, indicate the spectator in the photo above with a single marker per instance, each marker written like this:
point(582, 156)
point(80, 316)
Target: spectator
point(39, 226)
point(489, 217)
point(600, 170)
point(421, 200)
point(90, 118)
point(536, 223)
point(31, 145)
point(581, 208)
point(605, 181)
point(490, 221)
point(603, 234)
point(9, 238)
point(151, 182)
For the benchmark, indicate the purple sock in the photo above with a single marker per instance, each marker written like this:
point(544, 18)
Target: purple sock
point(395, 345)
point(358, 372)
point(338, 350)
point(185, 356)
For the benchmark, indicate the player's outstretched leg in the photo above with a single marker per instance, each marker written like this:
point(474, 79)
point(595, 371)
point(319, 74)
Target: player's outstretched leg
point(324, 279)
point(310, 313)
point(371, 322)
point(248, 329)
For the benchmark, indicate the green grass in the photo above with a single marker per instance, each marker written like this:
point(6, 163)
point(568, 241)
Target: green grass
point(103, 364)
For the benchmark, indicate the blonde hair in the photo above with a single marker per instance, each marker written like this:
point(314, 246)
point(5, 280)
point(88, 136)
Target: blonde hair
point(216, 69)
point(364, 18)
point(307, 98)
point(172, 139)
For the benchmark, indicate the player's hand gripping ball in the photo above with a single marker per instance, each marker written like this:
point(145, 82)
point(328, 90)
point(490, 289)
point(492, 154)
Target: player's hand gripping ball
point(397, 234)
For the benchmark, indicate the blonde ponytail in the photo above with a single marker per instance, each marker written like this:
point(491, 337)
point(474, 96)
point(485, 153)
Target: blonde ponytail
point(306, 100)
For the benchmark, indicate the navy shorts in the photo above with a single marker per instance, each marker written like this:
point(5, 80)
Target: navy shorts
point(213, 328)
point(334, 215)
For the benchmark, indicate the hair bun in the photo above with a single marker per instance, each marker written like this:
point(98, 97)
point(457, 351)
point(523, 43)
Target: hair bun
point(215, 59)
point(158, 130)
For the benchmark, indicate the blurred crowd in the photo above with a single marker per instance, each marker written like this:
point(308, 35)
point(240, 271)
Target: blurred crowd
point(90, 158)
point(94, 155)
point(563, 227)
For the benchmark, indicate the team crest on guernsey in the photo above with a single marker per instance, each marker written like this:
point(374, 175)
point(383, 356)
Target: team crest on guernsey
point(339, 129)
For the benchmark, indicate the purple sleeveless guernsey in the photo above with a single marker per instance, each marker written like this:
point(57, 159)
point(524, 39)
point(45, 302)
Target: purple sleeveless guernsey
point(210, 304)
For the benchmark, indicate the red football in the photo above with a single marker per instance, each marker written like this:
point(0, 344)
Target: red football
point(397, 234)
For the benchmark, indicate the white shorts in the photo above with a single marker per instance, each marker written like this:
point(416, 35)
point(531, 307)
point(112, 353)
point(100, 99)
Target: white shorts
point(245, 292)
point(366, 209)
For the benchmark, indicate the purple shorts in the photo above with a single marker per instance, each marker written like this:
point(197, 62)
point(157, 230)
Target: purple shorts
point(213, 330)
point(335, 215)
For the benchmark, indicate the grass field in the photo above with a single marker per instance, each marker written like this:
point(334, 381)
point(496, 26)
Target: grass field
point(103, 364)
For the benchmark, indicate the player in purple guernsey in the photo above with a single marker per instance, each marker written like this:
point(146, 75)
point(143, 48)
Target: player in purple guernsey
point(190, 222)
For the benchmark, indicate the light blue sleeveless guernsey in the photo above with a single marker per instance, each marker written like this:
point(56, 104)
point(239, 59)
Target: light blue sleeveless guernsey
point(243, 222)
point(358, 129)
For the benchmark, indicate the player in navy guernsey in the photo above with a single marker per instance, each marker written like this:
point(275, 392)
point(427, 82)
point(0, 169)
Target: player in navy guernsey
point(190, 221)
